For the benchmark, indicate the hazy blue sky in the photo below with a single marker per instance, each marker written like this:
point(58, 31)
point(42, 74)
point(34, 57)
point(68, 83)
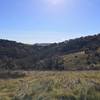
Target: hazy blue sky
point(32, 21)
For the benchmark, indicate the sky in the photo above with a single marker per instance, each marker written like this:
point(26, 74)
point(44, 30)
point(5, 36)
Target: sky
point(48, 21)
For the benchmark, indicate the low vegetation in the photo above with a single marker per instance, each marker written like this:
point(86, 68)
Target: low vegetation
point(11, 74)
point(49, 85)
point(81, 53)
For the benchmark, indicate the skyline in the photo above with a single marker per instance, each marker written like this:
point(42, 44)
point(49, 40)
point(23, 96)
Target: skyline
point(37, 38)
point(44, 21)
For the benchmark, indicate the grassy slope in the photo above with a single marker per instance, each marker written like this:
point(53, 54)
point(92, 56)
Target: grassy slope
point(79, 60)
point(52, 86)
point(75, 59)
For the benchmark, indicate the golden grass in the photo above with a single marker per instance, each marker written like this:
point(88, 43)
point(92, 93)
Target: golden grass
point(49, 85)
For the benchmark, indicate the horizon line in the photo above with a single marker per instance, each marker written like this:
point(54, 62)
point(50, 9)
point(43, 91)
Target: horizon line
point(6, 39)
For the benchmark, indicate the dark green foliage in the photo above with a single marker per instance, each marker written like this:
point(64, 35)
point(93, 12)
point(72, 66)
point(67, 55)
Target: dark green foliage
point(13, 75)
point(67, 98)
point(18, 56)
point(26, 97)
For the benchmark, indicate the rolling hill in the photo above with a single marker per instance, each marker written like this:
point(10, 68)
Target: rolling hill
point(75, 54)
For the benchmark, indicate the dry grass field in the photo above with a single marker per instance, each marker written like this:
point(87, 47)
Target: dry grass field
point(49, 85)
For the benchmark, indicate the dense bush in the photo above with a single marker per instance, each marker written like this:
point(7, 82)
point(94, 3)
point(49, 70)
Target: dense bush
point(15, 56)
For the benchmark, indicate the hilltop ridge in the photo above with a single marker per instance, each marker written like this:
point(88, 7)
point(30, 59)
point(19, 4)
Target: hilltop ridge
point(65, 55)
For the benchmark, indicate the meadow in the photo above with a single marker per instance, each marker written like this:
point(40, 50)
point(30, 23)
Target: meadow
point(52, 85)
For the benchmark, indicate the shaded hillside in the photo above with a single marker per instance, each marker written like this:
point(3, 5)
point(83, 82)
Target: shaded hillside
point(56, 56)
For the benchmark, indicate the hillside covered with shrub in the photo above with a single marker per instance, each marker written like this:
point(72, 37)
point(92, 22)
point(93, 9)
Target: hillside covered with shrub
point(75, 54)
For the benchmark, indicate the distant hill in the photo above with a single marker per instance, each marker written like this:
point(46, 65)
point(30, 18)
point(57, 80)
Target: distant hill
point(42, 44)
point(76, 54)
